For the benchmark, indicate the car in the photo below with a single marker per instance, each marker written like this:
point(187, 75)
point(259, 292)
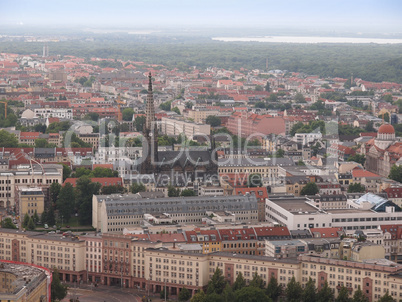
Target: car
point(52, 232)
point(67, 226)
point(46, 226)
point(55, 227)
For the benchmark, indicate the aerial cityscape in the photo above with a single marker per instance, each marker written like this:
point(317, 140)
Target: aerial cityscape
point(203, 152)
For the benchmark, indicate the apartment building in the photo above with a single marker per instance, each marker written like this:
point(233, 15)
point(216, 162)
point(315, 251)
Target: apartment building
point(65, 113)
point(23, 176)
point(90, 138)
point(200, 115)
point(67, 253)
point(93, 258)
point(31, 200)
point(113, 213)
point(132, 262)
point(176, 126)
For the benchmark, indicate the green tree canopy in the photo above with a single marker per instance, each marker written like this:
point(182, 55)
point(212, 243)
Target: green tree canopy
point(85, 189)
point(310, 292)
point(254, 180)
point(396, 173)
point(356, 188)
point(310, 189)
point(293, 291)
point(139, 122)
point(188, 192)
point(325, 294)
point(217, 282)
point(358, 158)
point(359, 296)
point(213, 120)
point(8, 140)
point(66, 201)
point(239, 282)
point(135, 188)
point(386, 298)
point(274, 290)
point(58, 290)
point(251, 294)
point(184, 295)
point(343, 295)
point(128, 114)
point(199, 297)
point(257, 281)
point(7, 223)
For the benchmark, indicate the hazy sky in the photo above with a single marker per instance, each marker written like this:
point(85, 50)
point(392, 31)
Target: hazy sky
point(383, 15)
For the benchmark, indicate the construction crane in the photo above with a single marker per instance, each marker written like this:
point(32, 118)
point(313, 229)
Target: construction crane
point(119, 103)
point(5, 110)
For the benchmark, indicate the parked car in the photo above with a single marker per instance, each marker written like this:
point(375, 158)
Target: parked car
point(46, 226)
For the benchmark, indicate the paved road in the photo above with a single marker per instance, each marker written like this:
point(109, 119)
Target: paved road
point(110, 294)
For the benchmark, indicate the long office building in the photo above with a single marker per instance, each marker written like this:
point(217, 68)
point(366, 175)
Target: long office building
point(113, 213)
point(126, 261)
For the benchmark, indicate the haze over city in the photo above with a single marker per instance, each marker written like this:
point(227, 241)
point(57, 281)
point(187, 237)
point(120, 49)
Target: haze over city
point(312, 15)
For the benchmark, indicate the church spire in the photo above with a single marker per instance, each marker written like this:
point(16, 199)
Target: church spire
point(150, 109)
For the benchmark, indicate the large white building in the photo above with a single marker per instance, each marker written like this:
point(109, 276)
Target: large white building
point(65, 113)
point(301, 214)
point(176, 126)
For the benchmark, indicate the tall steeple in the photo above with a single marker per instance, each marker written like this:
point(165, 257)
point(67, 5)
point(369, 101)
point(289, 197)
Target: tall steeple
point(150, 109)
point(150, 133)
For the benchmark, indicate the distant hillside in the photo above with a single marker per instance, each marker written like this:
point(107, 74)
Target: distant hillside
point(372, 62)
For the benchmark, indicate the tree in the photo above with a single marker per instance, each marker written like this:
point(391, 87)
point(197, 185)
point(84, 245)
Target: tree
point(257, 281)
point(25, 221)
point(310, 189)
point(258, 88)
point(199, 297)
point(239, 282)
point(358, 158)
point(213, 120)
point(7, 223)
point(85, 189)
point(254, 180)
point(370, 127)
point(396, 173)
point(217, 282)
point(293, 291)
point(274, 290)
point(267, 87)
point(184, 294)
point(51, 219)
point(107, 190)
point(214, 297)
point(66, 172)
point(386, 298)
point(128, 114)
point(343, 295)
point(93, 116)
point(58, 290)
point(31, 224)
point(299, 98)
point(384, 116)
point(188, 192)
point(40, 143)
point(54, 192)
point(189, 105)
point(173, 192)
point(356, 188)
point(8, 140)
point(135, 188)
point(177, 110)
point(387, 98)
point(310, 292)
point(279, 153)
point(35, 217)
point(166, 105)
point(251, 294)
point(325, 294)
point(273, 98)
point(228, 294)
point(358, 296)
point(66, 201)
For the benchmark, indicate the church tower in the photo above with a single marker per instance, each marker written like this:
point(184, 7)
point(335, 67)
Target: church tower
point(150, 133)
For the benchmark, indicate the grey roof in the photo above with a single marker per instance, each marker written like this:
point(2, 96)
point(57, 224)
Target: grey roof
point(255, 162)
point(117, 205)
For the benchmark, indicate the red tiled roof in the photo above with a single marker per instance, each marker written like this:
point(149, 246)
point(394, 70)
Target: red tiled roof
point(237, 234)
point(359, 173)
point(192, 236)
point(167, 237)
point(29, 135)
point(104, 181)
point(271, 231)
